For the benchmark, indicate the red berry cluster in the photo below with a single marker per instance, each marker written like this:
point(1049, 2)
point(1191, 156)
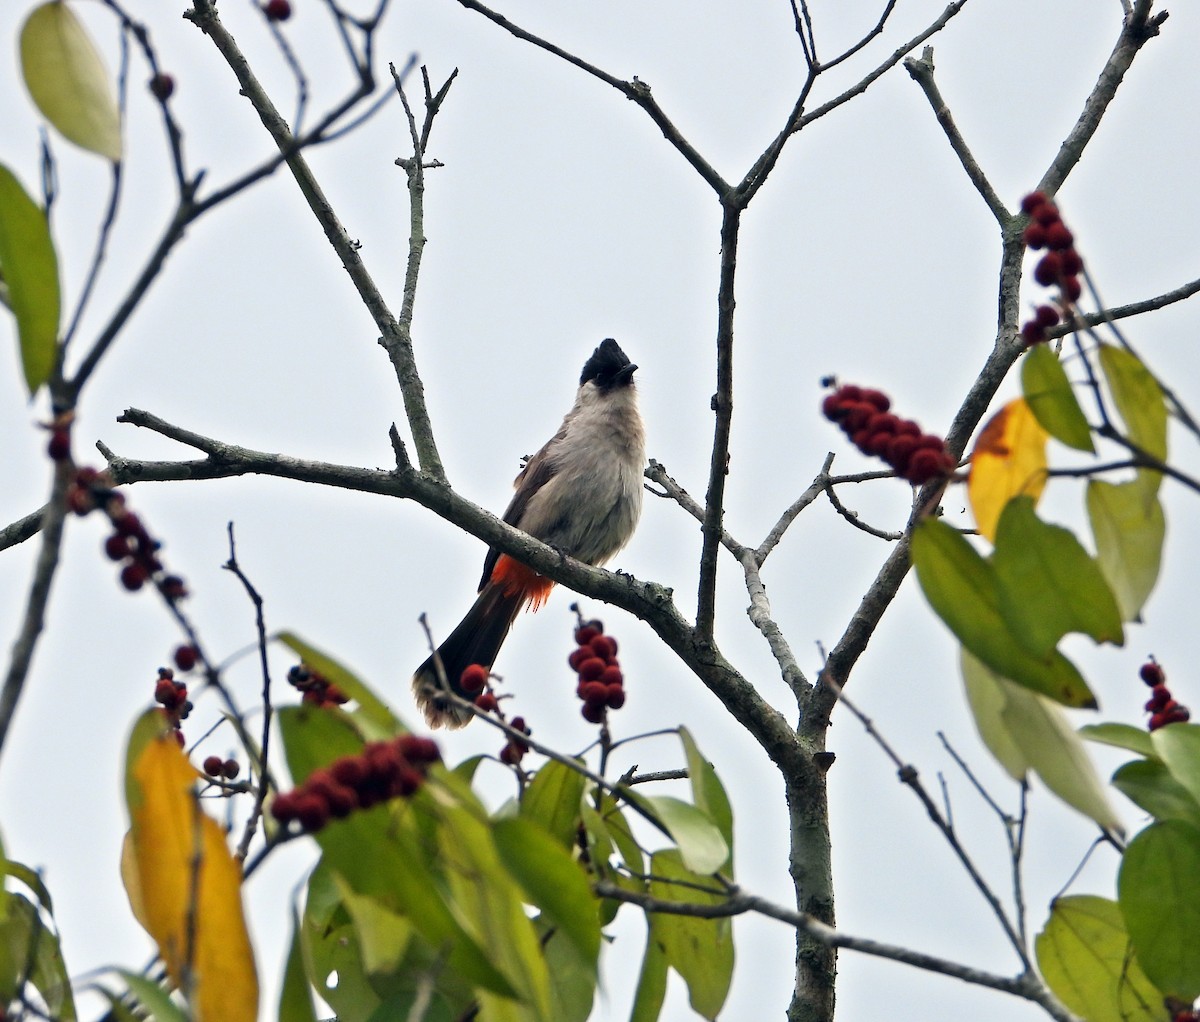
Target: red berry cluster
point(1059, 267)
point(515, 750)
point(172, 695)
point(1162, 708)
point(315, 688)
point(865, 418)
point(227, 769)
point(382, 771)
point(277, 10)
point(130, 542)
point(601, 683)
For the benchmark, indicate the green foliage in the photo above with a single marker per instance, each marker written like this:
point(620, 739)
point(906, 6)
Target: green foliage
point(1085, 957)
point(425, 901)
point(29, 266)
point(1026, 731)
point(1159, 892)
point(965, 591)
point(1052, 399)
point(1129, 528)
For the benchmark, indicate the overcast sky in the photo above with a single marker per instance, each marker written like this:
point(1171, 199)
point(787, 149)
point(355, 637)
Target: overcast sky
point(562, 217)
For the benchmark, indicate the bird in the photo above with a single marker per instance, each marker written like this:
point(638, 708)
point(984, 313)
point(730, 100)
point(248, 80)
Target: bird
point(581, 494)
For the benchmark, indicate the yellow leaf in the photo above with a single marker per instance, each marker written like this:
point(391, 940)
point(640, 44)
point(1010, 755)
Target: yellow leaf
point(1009, 460)
point(186, 887)
point(68, 80)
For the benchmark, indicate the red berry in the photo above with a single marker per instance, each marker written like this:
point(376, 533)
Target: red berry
point(1151, 673)
point(186, 657)
point(487, 702)
point(214, 766)
point(593, 713)
point(518, 724)
point(877, 399)
point(1072, 289)
point(1059, 237)
point(349, 771)
point(133, 577)
point(1071, 262)
point(1157, 720)
point(1033, 333)
point(1034, 236)
point(474, 677)
point(59, 447)
point(899, 451)
point(616, 696)
point(511, 755)
point(595, 692)
point(283, 808)
point(342, 801)
point(117, 548)
point(1180, 715)
point(612, 675)
point(586, 633)
point(832, 407)
point(1048, 269)
point(312, 812)
point(1047, 214)
point(408, 780)
point(1032, 201)
point(591, 669)
point(230, 769)
point(162, 86)
point(604, 646)
point(924, 465)
point(578, 655)
point(179, 739)
point(277, 10)
point(333, 694)
point(418, 749)
point(167, 693)
point(1047, 315)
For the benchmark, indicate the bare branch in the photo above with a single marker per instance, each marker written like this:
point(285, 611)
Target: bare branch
point(922, 73)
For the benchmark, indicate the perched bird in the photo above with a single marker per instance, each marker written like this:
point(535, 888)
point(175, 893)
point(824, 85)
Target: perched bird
point(581, 494)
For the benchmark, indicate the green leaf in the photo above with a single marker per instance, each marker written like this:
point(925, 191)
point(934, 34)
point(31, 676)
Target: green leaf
point(383, 935)
point(1138, 398)
point(964, 591)
point(295, 998)
point(652, 982)
point(1159, 891)
point(700, 950)
point(1123, 736)
point(1084, 955)
point(153, 998)
point(371, 708)
point(490, 904)
point(1052, 399)
point(1178, 746)
point(68, 81)
point(29, 267)
point(380, 853)
point(1148, 784)
point(552, 800)
point(29, 878)
point(1036, 732)
point(1129, 527)
point(1049, 585)
point(699, 840)
point(986, 698)
point(572, 982)
point(30, 953)
point(553, 881)
point(707, 791)
point(314, 736)
point(332, 956)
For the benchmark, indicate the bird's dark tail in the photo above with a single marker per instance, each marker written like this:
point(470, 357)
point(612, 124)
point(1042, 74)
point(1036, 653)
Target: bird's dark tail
point(476, 640)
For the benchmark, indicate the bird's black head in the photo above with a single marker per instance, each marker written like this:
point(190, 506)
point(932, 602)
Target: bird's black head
point(608, 367)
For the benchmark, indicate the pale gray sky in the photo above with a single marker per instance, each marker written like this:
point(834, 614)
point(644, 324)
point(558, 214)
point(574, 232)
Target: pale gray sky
point(562, 217)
